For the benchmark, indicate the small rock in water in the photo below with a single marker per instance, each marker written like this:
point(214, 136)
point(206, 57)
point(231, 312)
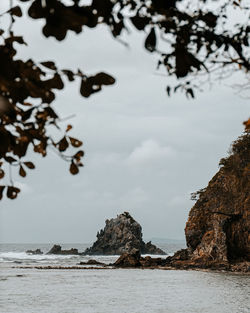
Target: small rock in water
point(129, 259)
point(92, 262)
point(37, 251)
point(57, 249)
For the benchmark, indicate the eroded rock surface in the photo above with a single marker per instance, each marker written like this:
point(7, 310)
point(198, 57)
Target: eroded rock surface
point(121, 235)
point(218, 227)
point(219, 223)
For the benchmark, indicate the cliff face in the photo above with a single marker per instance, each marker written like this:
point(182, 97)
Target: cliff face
point(218, 227)
point(121, 235)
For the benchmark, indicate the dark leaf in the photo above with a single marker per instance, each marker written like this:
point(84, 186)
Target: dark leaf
point(190, 92)
point(55, 82)
point(69, 127)
point(86, 88)
point(27, 114)
point(168, 90)
point(30, 165)
point(75, 142)
point(69, 74)
point(9, 159)
point(49, 64)
point(103, 79)
point(1, 173)
point(22, 171)
point(18, 39)
point(79, 155)
point(150, 42)
point(73, 168)
point(63, 144)
point(12, 192)
point(50, 112)
point(16, 11)
point(1, 192)
point(139, 22)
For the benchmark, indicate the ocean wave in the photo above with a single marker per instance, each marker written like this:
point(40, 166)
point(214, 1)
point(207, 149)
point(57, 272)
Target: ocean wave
point(8, 256)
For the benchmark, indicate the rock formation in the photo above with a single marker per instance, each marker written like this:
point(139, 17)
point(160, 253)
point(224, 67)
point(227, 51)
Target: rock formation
point(37, 251)
point(92, 262)
point(121, 235)
point(134, 259)
point(218, 227)
point(131, 259)
point(56, 249)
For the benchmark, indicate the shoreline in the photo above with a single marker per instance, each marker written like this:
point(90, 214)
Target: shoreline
point(108, 267)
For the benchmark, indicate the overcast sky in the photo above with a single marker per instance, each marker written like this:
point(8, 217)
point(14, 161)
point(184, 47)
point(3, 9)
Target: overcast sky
point(145, 152)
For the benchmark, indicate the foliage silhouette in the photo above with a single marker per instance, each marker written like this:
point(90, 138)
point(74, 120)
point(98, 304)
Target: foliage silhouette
point(196, 41)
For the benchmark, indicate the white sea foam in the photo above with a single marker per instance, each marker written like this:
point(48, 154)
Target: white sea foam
point(7, 256)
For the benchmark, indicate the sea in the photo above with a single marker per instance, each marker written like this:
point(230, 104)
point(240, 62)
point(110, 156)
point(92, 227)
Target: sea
point(26, 289)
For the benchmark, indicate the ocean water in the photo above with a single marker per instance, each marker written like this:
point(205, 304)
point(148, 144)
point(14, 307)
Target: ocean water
point(30, 290)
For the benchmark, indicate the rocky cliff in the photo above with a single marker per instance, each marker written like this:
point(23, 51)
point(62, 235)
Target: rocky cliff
point(121, 235)
point(218, 227)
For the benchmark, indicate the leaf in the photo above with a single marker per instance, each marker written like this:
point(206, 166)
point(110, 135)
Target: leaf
point(69, 74)
point(63, 144)
point(75, 142)
point(190, 92)
point(16, 11)
point(103, 79)
point(9, 159)
point(79, 155)
point(1, 173)
point(55, 82)
point(22, 171)
point(150, 42)
point(69, 127)
point(27, 114)
point(73, 168)
point(139, 22)
point(51, 113)
point(30, 165)
point(247, 125)
point(1, 192)
point(12, 192)
point(86, 88)
point(18, 39)
point(49, 64)
point(168, 89)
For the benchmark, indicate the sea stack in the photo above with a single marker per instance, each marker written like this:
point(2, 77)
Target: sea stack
point(121, 235)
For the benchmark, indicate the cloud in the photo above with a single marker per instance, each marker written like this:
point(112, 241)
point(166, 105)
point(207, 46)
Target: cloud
point(150, 150)
point(133, 198)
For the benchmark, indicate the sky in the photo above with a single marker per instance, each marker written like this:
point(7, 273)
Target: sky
point(144, 152)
